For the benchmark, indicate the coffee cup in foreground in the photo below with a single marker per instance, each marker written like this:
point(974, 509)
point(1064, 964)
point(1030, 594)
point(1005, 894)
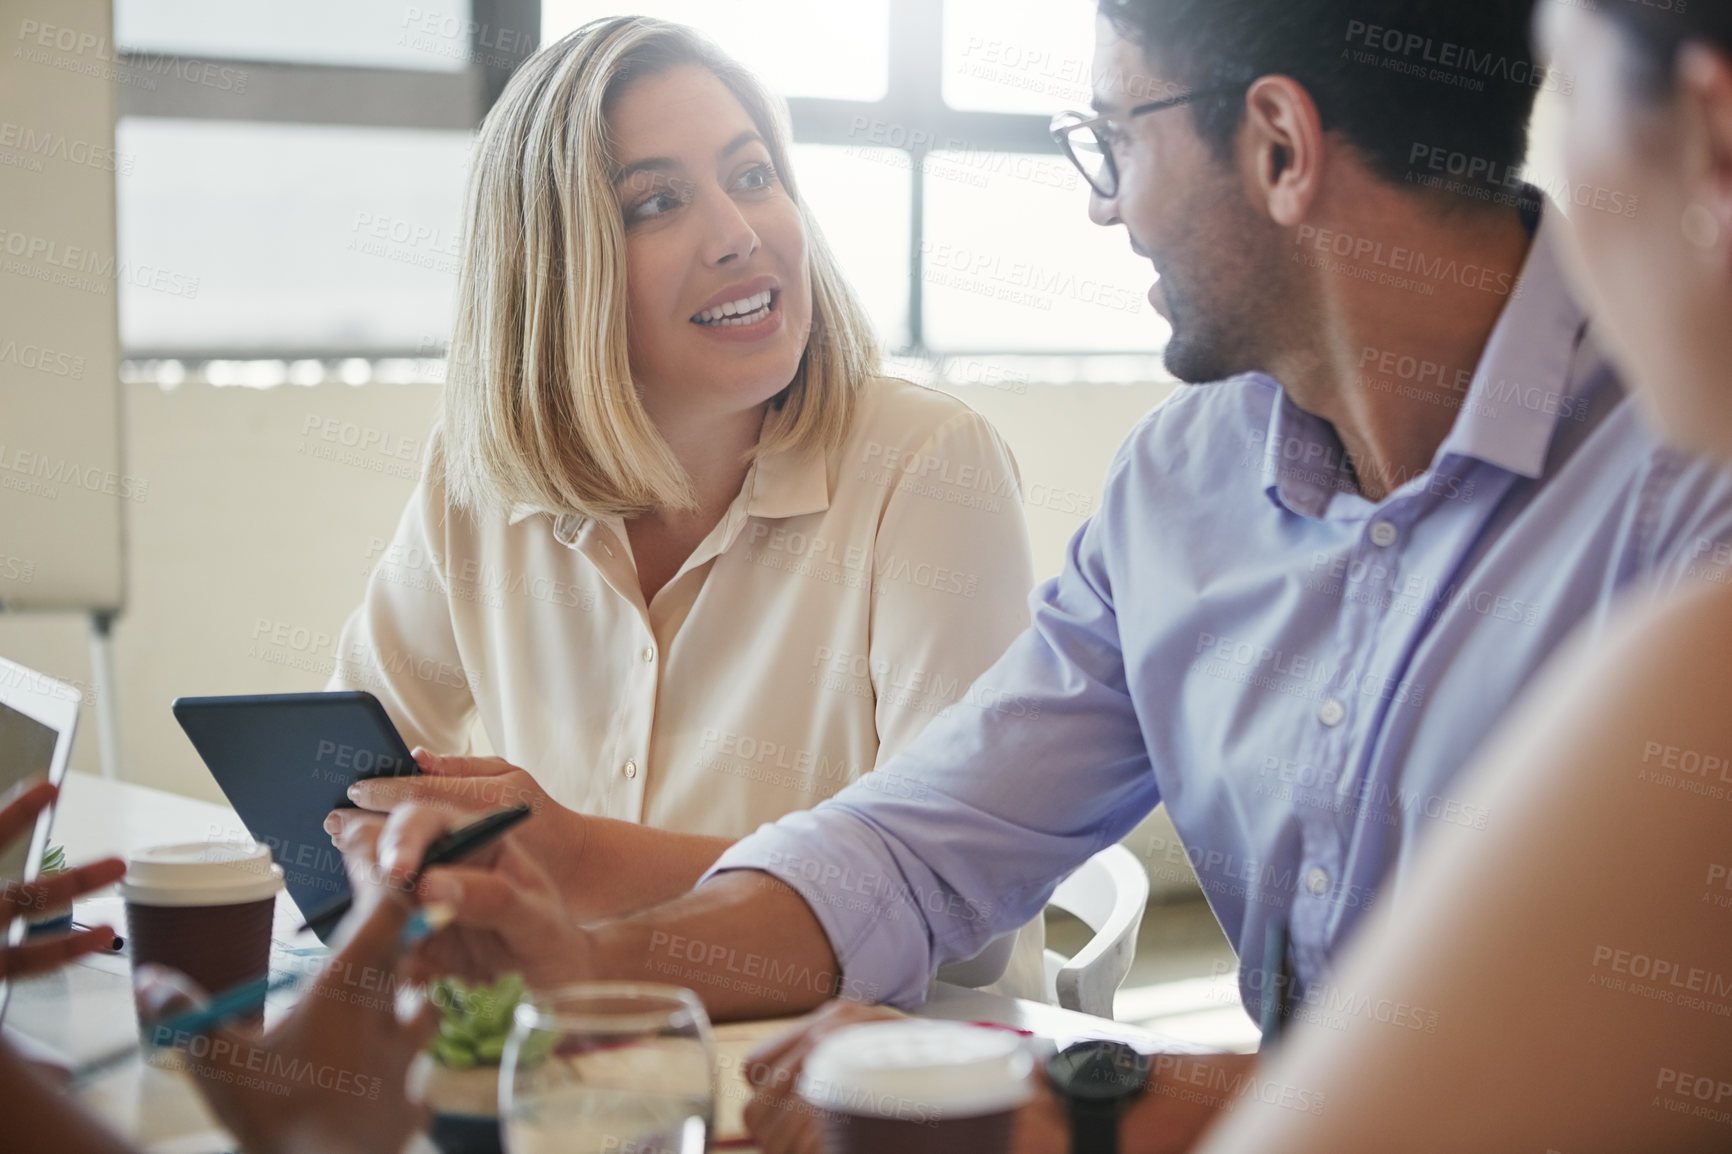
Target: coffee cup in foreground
point(917, 1087)
point(205, 909)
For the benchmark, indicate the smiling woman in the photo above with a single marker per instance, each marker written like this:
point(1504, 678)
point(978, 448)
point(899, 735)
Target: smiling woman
point(699, 565)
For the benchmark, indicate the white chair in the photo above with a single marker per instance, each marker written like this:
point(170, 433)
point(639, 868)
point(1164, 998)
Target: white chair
point(1108, 894)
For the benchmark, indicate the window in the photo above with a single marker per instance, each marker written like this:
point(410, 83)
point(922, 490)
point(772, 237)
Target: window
point(287, 239)
point(1031, 56)
point(1012, 263)
point(774, 38)
point(316, 214)
point(845, 185)
point(429, 34)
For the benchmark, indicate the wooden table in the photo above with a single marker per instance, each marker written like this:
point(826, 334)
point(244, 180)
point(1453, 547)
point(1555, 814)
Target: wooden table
point(86, 1008)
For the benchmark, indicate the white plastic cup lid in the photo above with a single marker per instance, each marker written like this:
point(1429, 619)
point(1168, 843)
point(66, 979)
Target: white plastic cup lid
point(201, 873)
point(918, 1071)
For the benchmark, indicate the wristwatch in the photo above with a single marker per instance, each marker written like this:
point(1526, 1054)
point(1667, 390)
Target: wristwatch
point(1097, 1081)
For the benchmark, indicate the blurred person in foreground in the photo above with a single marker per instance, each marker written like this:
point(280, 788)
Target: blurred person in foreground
point(327, 1079)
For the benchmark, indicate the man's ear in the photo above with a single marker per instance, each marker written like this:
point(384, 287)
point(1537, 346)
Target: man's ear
point(1705, 90)
point(1281, 147)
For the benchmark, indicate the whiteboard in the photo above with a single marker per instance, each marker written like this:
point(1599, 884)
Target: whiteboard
point(64, 488)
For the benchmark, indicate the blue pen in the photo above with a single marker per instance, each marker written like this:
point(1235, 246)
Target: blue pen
point(244, 998)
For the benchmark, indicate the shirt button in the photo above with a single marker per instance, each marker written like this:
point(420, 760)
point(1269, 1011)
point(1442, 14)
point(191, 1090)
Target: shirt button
point(1332, 714)
point(1317, 881)
point(1383, 534)
point(631, 769)
point(649, 654)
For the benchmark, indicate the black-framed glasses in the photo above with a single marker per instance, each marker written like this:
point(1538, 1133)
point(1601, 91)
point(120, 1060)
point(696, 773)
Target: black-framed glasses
point(1088, 140)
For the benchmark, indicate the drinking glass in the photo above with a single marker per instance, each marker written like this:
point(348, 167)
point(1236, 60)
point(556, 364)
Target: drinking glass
point(608, 1068)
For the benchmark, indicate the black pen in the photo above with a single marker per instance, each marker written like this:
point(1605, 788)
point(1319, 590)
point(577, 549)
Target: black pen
point(113, 947)
point(1277, 976)
point(447, 848)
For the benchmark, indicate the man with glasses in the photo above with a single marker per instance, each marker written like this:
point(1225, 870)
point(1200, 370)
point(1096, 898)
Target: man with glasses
point(1317, 579)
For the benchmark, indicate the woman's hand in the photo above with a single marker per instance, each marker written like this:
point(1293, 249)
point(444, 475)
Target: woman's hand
point(21, 900)
point(467, 787)
point(509, 912)
point(330, 1077)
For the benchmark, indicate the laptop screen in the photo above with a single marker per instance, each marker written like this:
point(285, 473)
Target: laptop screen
point(26, 751)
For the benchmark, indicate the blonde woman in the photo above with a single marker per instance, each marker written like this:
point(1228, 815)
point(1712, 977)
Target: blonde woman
point(689, 558)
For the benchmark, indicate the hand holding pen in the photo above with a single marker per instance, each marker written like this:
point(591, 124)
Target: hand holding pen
point(337, 1062)
point(181, 1013)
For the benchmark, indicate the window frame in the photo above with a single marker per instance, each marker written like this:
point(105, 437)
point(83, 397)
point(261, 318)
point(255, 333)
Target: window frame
point(381, 97)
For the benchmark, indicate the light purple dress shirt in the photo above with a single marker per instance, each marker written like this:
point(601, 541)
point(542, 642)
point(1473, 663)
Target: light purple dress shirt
point(1299, 673)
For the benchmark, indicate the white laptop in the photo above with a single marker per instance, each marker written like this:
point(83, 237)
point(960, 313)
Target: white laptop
point(38, 716)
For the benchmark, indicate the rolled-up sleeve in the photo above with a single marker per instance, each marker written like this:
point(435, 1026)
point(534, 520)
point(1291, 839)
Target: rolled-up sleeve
point(1041, 765)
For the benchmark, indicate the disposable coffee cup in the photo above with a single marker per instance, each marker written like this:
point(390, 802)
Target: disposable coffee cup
point(917, 1087)
point(204, 908)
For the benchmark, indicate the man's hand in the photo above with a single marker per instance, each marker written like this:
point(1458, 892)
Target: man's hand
point(330, 1077)
point(21, 900)
point(777, 1116)
point(510, 915)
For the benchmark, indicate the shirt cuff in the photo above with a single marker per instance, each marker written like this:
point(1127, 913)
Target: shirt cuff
point(850, 879)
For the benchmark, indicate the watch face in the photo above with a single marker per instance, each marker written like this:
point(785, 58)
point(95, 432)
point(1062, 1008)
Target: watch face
point(1098, 1071)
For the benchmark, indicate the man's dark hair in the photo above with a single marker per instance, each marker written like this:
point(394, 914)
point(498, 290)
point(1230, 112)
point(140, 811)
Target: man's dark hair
point(1391, 76)
point(1656, 32)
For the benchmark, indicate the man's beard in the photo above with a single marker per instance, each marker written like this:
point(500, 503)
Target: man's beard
point(1209, 342)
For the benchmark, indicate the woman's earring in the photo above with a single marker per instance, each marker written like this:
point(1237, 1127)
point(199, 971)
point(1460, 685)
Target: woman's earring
point(1701, 227)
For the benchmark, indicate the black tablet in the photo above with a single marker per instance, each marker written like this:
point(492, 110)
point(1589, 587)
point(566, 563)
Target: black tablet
point(285, 761)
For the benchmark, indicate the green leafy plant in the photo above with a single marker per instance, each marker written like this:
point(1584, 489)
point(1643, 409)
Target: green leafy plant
point(475, 1022)
point(54, 859)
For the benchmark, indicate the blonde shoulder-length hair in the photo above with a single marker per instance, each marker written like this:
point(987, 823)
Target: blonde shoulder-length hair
point(539, 408)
